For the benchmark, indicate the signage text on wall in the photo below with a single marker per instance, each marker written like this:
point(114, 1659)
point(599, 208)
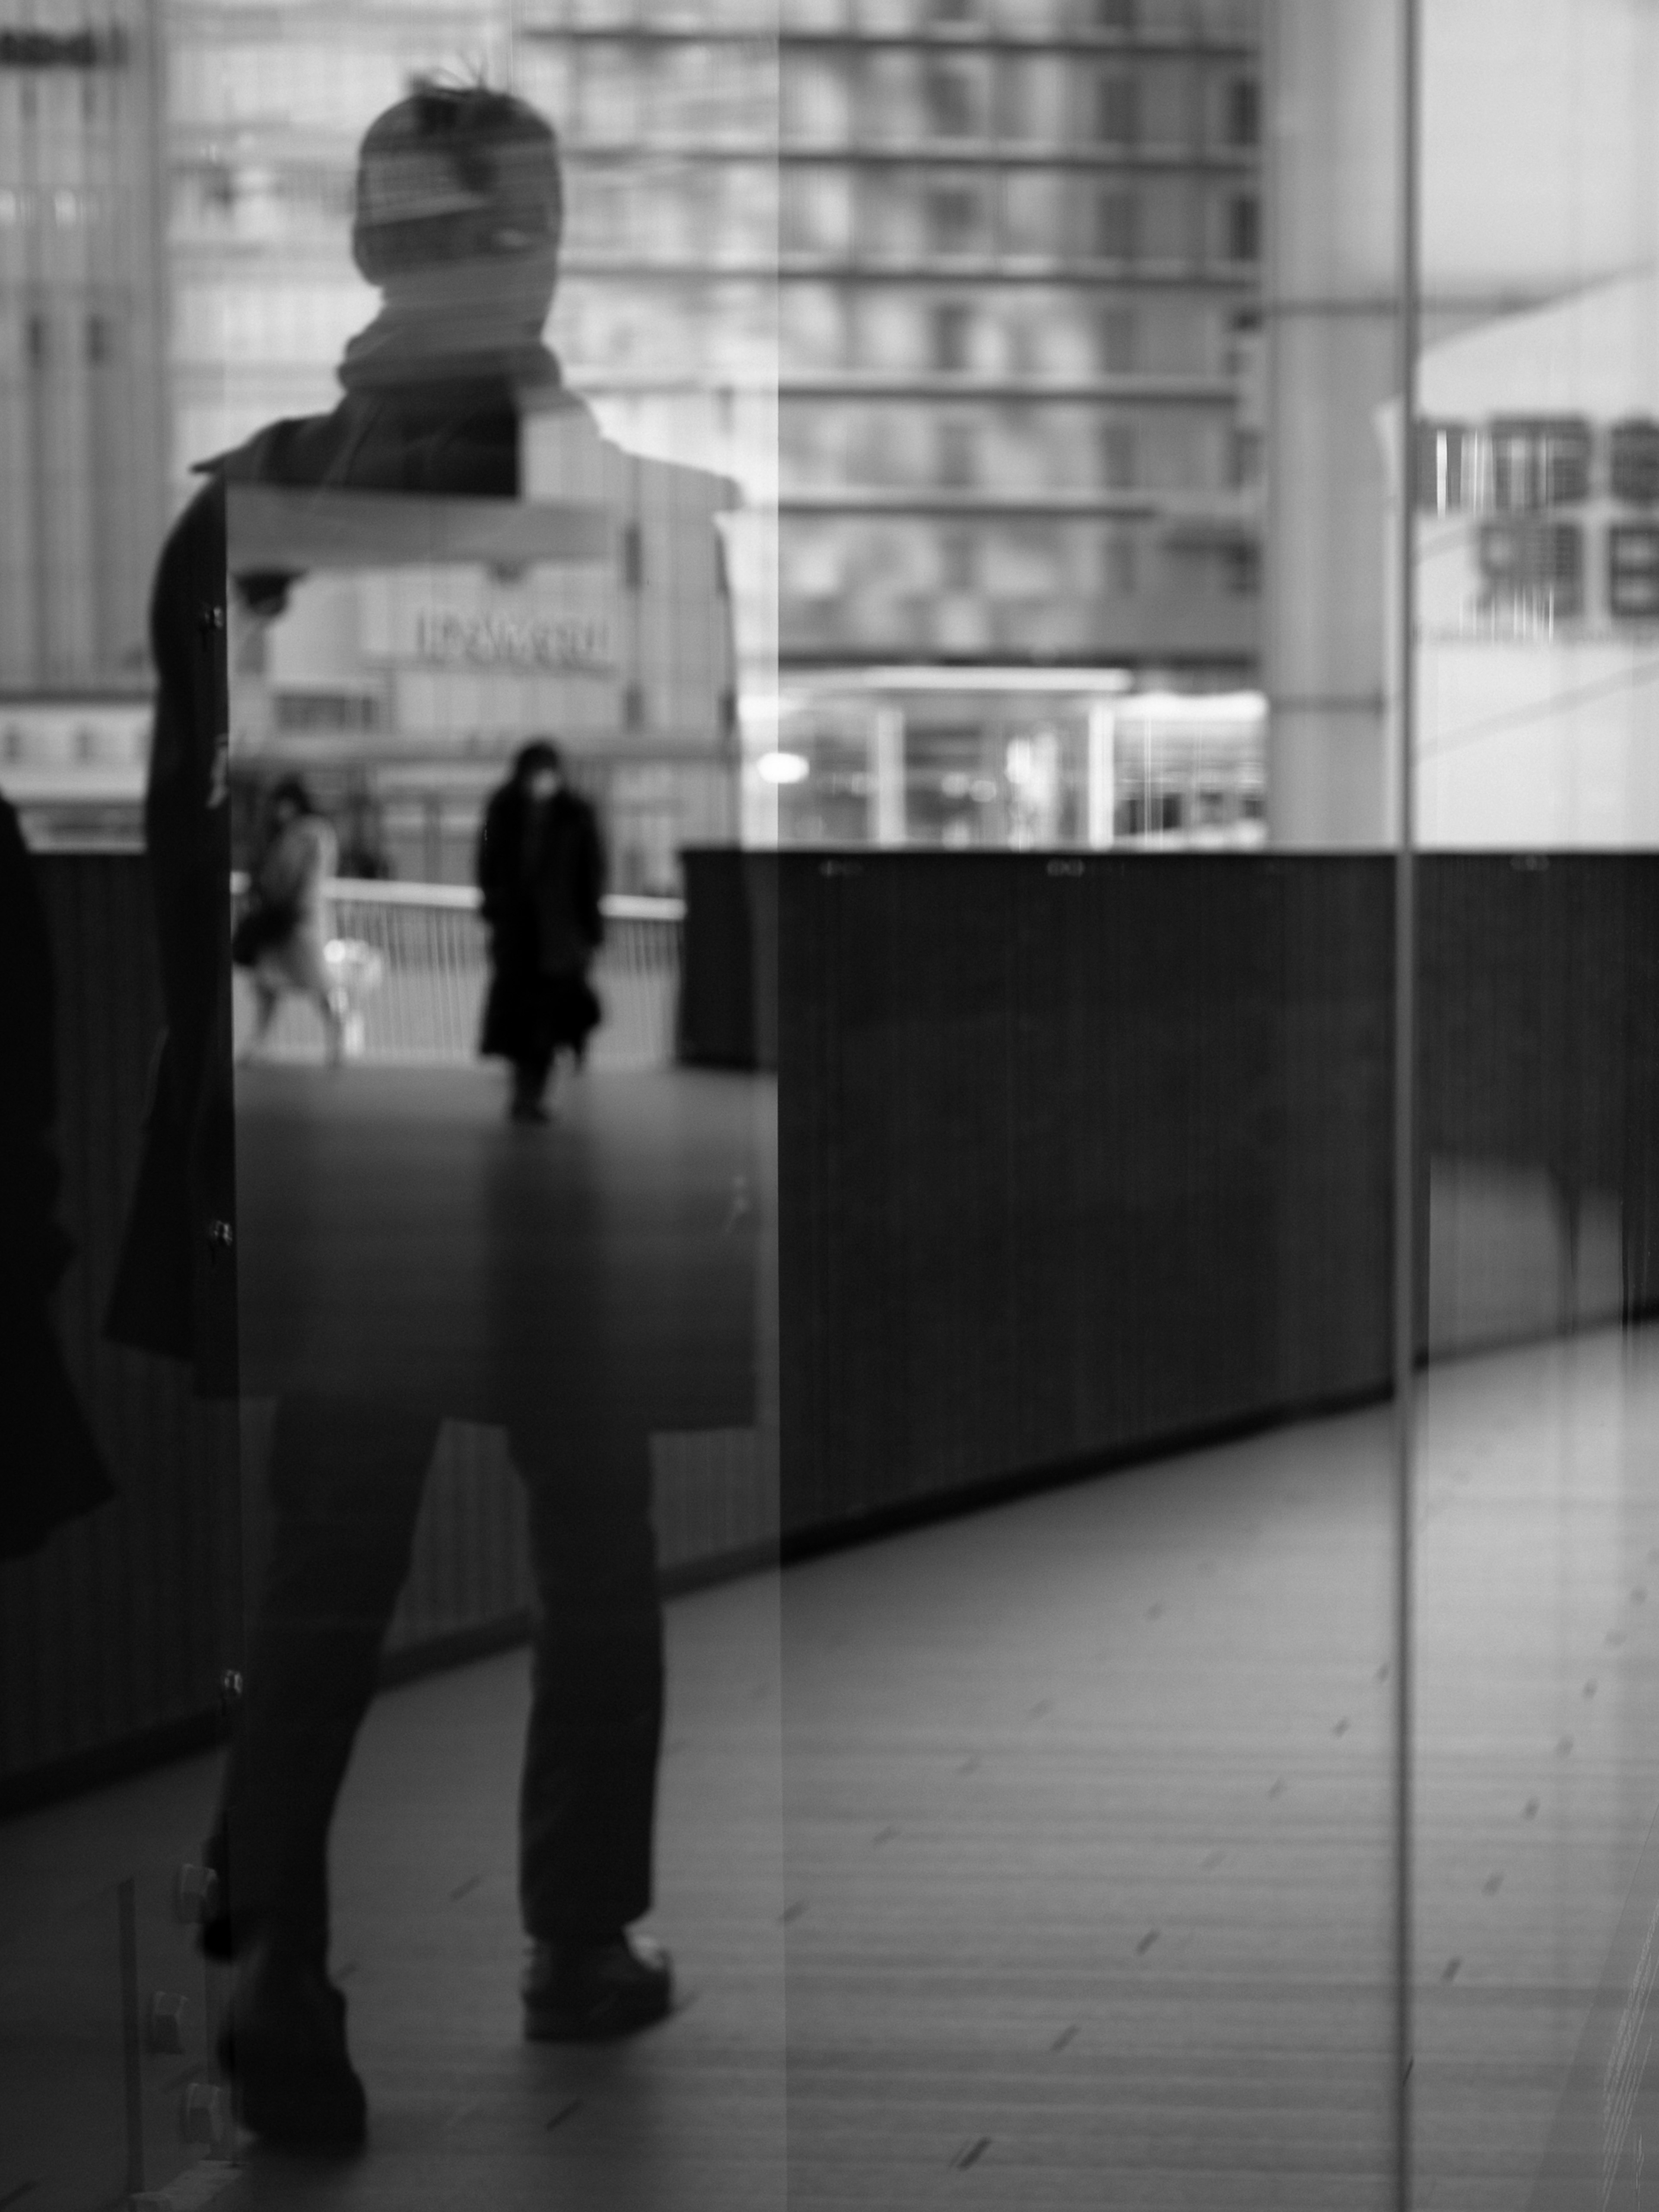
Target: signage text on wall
point(451, 636)
point(88, 49)
point(1541, 492)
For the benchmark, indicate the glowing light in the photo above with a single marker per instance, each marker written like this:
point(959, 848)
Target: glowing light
point(783, 768)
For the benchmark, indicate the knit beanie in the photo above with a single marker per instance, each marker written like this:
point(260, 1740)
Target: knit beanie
point(453, 173)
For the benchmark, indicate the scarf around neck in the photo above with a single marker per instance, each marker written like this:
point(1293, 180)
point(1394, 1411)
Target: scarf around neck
point(403, 347)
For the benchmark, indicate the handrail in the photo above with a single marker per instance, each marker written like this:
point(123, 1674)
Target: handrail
point(464, 898)
point(412, 962)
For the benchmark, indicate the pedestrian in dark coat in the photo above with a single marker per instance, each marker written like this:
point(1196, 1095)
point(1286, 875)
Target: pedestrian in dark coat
point(541, 870)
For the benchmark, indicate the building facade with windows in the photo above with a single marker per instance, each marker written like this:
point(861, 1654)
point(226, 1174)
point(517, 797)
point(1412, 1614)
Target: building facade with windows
point(83, 403)
point(963, 293)
point(226, 202)
point(1019, 427)
point(664, 318)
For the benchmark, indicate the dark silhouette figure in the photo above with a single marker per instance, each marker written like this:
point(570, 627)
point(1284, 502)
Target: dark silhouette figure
point(458, 221)
point(541, 870)
point(50, 1468)
point(362, 854)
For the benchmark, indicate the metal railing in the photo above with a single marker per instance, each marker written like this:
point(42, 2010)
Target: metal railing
point(412, 959)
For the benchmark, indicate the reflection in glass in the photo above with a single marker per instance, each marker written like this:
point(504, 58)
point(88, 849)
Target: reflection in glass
point(557, 1344)
point(472, 1357)
point(1530, 486)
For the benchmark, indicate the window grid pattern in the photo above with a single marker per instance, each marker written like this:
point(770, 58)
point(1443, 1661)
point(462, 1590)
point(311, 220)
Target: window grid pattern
point(1045, 211)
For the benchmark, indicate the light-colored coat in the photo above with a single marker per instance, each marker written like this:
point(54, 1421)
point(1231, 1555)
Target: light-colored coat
point(297, 865)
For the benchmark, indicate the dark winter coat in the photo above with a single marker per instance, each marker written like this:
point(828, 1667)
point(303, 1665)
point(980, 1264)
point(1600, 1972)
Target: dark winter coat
point(50, 1468)
point(175, 1289)
point(541, 871)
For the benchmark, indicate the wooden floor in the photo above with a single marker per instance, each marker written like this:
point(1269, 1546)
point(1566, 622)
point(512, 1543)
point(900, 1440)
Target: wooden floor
point(1045, 1857)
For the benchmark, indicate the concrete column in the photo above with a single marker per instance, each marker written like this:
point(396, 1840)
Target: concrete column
point(887, 770)
point(1331, 187)
point(1102, 789)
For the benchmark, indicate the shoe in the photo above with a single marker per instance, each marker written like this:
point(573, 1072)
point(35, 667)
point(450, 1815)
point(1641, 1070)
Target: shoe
point(528, 1109)
point(283, 2051)
point(583, 1992)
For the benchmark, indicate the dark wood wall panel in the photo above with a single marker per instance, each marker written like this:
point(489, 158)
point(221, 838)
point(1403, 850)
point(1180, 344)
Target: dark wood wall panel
point(1526, 1011)
point(1327, 1137)
point(715, 1016)
point(1083, 1156)
point(1640, 1167)
point(1540, 983)
point(728, 983)
point(1069, 1158)
point(1078, 1157)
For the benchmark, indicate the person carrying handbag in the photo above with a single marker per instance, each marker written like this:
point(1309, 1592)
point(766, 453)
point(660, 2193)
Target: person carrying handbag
point(281, 938)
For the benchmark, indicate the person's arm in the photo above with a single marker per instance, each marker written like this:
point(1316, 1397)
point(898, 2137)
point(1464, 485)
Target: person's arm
point(491, 863)
point(322, 851)
point(483, 860)
point(186, 817)
point(172, 1293)
point(596, 871)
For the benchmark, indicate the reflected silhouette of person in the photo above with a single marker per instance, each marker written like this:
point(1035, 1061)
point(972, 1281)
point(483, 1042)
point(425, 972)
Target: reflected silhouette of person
point(541, 874)
point(458, 221)
point(51, 1469)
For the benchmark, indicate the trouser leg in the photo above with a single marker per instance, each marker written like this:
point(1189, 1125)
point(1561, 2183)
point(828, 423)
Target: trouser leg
point(329, 1005)
point(530, 1071)
point(587, 1802)
point(346, 1478)
point(266, 997)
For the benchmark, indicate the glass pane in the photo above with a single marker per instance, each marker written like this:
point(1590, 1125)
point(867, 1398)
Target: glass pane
point(1535, 626)
point(421, 1299)
point(120, 1535)
point(1087, 1134)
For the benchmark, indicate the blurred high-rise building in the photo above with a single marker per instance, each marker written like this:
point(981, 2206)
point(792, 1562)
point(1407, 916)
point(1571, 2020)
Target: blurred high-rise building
point(663, 319)
point(963, 293)
point(1019, 427)
point(82, 401)
point(216, 218)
